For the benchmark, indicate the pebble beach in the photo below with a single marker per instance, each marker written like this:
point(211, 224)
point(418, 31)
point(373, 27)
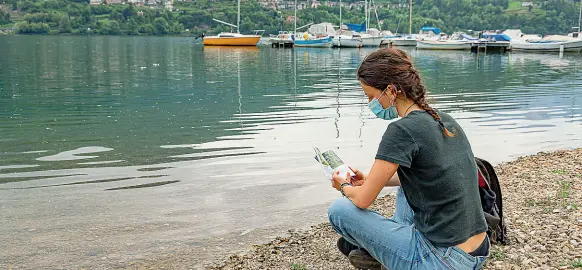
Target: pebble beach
point(542, 196)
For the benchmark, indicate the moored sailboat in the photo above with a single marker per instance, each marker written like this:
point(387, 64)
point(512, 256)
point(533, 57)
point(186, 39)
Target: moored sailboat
point(443, 45)
point(232, 39)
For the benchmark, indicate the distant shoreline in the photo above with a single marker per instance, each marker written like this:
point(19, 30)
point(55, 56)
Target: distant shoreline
point(542, 197)
point(12, 33)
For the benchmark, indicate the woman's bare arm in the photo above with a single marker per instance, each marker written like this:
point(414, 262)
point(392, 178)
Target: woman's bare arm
point(380, 176)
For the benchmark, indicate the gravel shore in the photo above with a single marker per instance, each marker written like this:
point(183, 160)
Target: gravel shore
point(542, 197)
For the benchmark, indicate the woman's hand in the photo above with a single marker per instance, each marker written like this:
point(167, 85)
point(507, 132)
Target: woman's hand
point(337, 180)
point(359, 178)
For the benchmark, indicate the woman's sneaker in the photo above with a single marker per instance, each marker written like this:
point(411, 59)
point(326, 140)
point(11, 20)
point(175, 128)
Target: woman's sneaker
point(345, 247)
point(361, 259)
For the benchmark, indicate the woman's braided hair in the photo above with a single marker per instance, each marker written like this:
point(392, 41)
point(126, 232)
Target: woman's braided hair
point(393, 67)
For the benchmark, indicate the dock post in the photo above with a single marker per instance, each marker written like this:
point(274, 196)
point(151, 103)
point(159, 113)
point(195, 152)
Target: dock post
point(561, 51)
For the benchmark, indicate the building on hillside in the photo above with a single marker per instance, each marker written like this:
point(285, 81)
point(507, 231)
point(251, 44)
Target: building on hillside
point(331, 4)
point(95, 2)
point(396, 6)
point(285, 5)
point(359, 5)
point(290, 5)
point(272, 4)
point(169, 5)
point(139, 13)
point(290, 18)
point(113, 2)
point(314, 4)
point(527, 4)
point(139, 3)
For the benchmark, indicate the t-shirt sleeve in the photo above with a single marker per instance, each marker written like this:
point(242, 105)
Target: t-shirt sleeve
point(397, 146)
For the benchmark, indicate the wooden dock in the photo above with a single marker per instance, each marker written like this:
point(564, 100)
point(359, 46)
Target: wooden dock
point(282, 43)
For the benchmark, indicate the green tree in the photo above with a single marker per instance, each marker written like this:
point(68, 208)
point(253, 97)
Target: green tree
point(160, 26)
point(32, 28)
point(65, 25)
point(14, 5)
point(109, 28)
point(132, 27)
point(147, 29)
point(116, 15)
point(114, 26)
point(4, 17)
point(177, 28)
point(129, 11)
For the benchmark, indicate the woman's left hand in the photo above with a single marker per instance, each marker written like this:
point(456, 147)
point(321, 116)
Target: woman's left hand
point(337, 180)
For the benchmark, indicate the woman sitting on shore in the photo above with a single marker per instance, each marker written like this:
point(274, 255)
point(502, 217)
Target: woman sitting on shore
point(438, 221)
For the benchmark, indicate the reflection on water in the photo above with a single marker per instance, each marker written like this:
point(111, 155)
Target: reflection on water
point(101, 134)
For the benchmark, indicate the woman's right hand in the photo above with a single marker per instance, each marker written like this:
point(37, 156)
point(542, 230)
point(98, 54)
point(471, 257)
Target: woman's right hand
point(359, 178)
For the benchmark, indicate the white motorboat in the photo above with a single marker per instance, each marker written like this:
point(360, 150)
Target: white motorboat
point(443, 45)
point(282, 37)
point(345, 41)
point(429, 33)
point(548, 44)
point(404, 41)
point(369, 40)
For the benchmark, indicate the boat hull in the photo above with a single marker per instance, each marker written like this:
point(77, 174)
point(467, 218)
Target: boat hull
point(347, 43)
point(404, 42)
point(371, 41)
point(232, 41)
point(569, 46)
point(314, 43)
point(442, 45)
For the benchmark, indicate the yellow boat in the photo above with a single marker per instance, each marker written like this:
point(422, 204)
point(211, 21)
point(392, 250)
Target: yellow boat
point(231, 39)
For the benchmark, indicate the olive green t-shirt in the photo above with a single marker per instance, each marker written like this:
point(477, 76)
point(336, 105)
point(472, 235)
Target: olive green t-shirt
point(438, 175)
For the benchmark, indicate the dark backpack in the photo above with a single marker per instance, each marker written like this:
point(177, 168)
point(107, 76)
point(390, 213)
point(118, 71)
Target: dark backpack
point(492, 202)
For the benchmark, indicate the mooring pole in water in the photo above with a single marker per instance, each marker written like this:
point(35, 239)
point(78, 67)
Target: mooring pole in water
point(478, 58)
point(410, 17)
point(561, 51)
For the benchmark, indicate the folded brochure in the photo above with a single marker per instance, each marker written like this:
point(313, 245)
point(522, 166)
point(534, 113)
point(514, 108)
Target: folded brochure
point(330, 163)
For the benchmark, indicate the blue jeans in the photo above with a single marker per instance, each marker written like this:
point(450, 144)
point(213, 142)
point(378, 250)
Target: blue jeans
point(395, 242)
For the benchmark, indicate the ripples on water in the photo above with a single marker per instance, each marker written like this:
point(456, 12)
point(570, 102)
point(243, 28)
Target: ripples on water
point(107, 132)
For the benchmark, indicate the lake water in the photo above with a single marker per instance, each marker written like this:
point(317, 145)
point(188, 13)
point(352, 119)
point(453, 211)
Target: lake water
point(114, 150)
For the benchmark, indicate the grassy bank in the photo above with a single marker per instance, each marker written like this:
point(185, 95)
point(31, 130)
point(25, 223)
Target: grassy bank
point(542, 204)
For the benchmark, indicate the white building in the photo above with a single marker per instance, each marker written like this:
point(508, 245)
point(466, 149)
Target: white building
point(169, 5)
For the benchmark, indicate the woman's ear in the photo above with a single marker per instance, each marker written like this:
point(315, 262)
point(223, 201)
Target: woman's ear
point(399, 94)
point(393, 91)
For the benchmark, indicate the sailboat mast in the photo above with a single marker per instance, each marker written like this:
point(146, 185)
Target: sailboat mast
point(340, 26)
point(377, 19)
point(366, 13)
point(294, 19)
point(410, 17)
point(238, 19)
point(580, 18)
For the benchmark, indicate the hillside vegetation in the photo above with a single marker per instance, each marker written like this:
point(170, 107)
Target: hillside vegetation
point(195, 18)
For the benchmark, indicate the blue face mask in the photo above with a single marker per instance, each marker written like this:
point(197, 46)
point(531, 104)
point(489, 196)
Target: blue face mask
point(386, 114)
